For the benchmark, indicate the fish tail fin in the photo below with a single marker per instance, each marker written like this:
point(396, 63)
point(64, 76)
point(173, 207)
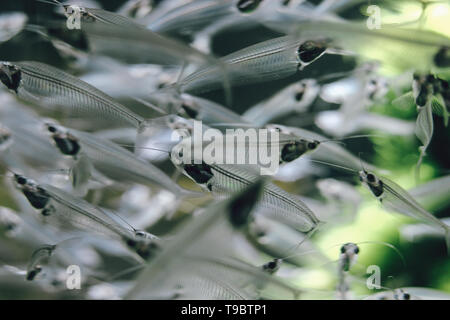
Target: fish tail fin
point(419, 163)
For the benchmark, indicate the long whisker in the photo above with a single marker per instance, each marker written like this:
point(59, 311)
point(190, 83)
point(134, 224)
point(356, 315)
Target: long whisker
point(333, 165)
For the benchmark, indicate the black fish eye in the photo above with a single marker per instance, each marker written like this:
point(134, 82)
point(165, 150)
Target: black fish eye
point(406, 296)
point(371, 177)
point(247, 6)
point(299, 95)
point(272, 264)
point(312, 145)
point(356, 251)
point(51, 128)
point(20, 180)
point(343, 249)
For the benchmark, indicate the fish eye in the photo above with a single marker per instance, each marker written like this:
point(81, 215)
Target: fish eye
point(299, 95)
point(272, 265)
point(371, 177)
point(20, 180)
point(312, 145)
point(139, 233)
point(51, 128)
point(343, 249)
point(247, 6)
point(406, 296)
point(356, 251)
point(276, 128)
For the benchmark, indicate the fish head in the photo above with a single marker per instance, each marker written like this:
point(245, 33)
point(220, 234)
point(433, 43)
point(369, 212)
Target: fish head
point(400, 294)
point(63, 140)
point(71, 9)
point(31, 274)
point(35, 194)
point(20, 180)
point(311, 50)
point(278, 128)
point(199, 173)
point(10, 75)
point(297, 148)
point(144, 243)
point(272, 266)
point(301, 89)
point(372, 181)
point(349, 255)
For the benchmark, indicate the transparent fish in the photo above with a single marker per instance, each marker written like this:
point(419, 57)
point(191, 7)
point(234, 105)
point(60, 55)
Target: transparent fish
point(336, 124)
point(272, 59)
point(50, 87)
point(96, 15)
point(294, 98)
point(136, 8)
point(11, 23)
point(276, 203)
point(327, 151)
point(63, 210)
point(395, 198)
point(276, 239)
point(395, 42)
point(191, 16)
point(168, 275)
point(347, 258)
point(110, 159)
point(433, 193)
point(34, 267)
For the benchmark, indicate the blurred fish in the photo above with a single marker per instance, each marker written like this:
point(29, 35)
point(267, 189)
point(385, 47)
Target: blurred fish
point(11, 23)
point(395, 198)
point(395, 42)
point(272, 59)
point(34, 267)
point(348, 257)
point(294, 98)
point(162, 276)
point(65, 211)
point(110, 159)
point(396, 294)
point(136, 8)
